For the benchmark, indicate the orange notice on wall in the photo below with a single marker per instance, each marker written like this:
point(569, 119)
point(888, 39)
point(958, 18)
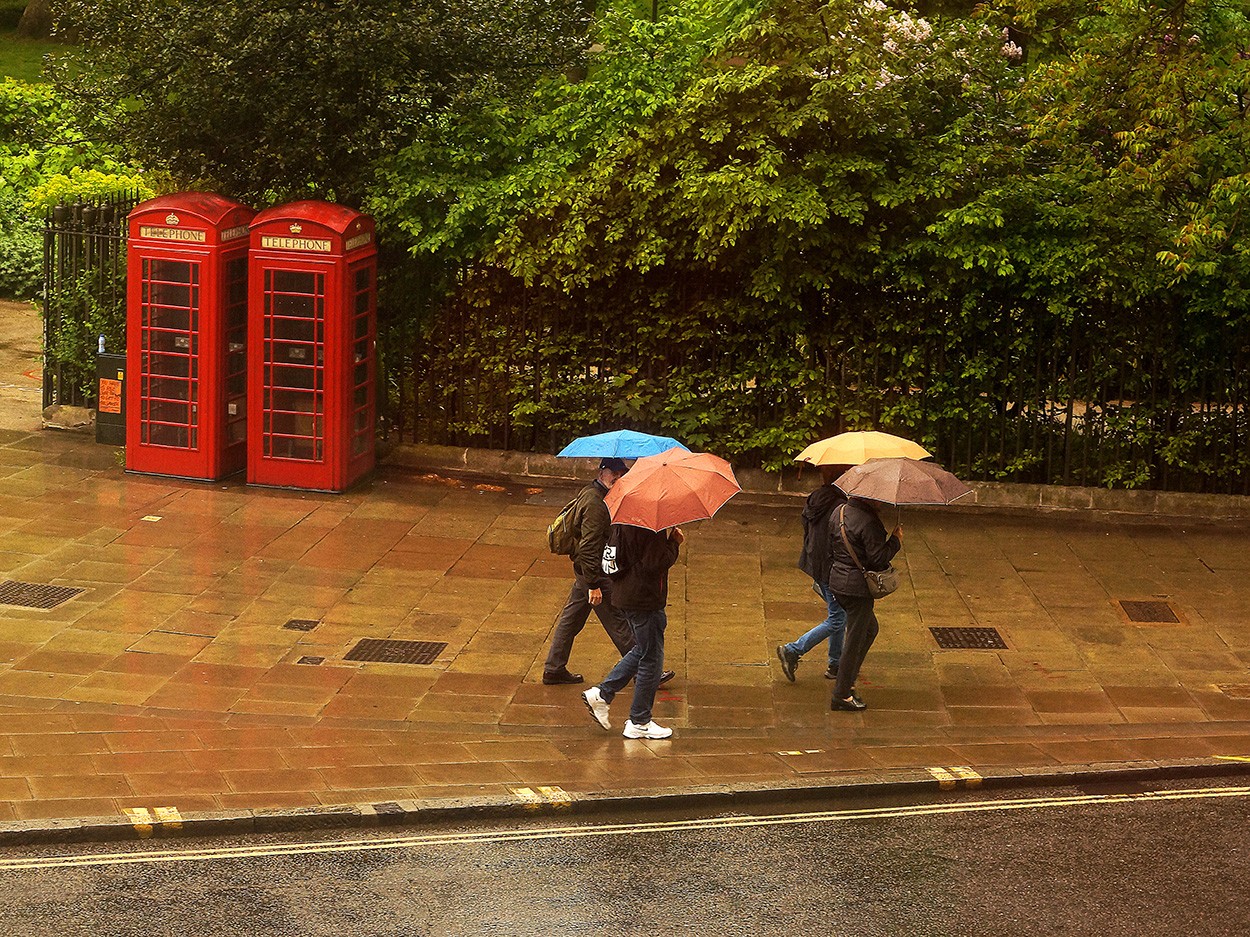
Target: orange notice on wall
point(110, 396)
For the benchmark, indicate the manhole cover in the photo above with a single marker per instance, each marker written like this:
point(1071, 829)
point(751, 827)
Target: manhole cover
point(987, 639)
point(397, 652)
point(34, 595)
point(312, 661)
point(301, 624)
point(1149, 612)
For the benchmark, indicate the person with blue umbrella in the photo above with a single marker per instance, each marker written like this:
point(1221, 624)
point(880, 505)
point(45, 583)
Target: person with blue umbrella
point(589, 523)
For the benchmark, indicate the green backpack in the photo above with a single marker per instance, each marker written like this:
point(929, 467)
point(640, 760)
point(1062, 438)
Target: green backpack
point(561, 536)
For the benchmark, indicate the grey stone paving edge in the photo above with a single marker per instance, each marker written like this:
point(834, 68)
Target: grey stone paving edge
point(859, 785)
point(783, 487)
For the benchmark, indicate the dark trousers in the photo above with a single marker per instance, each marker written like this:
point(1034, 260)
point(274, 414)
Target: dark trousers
point(861, 631)
point(573, 619)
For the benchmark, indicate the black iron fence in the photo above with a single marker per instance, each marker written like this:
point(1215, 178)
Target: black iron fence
point(84, 275)
point(1012, 398)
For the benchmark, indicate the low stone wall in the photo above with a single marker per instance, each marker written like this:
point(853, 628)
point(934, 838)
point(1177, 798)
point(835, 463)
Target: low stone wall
point(784, 487)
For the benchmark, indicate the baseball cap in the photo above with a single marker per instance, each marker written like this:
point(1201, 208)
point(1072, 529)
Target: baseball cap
point(616, 465)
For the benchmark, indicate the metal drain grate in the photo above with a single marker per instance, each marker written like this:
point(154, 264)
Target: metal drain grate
point(301, 624)
point(1149, 612)
point(35, 595)
point(396, 652)
point(312, 661)
point(984, 639)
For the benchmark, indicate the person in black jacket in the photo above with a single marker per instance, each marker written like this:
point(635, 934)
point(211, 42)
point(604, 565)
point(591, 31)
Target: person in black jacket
point(814, 560)
point(643, 558)
point(859, 519)
point(591, 588)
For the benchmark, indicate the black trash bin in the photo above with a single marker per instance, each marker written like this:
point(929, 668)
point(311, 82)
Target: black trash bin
point(110, 411)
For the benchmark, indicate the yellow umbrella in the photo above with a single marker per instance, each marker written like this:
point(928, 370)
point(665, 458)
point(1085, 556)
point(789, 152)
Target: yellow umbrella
point(858, 447)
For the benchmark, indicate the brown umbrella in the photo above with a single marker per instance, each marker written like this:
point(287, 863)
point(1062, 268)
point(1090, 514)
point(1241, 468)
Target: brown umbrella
point(902, 481)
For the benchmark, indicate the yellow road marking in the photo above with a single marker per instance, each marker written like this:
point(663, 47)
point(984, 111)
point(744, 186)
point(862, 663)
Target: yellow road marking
point(967, 775)
point(946, 780)
point(141, 818)
point(619, 829)
point(556, 795)
point(1234, 757)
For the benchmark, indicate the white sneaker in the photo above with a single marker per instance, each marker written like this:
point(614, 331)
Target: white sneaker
point(652, 730)
point(598, 706)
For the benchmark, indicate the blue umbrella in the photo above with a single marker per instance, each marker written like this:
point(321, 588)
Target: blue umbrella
point(620, 444)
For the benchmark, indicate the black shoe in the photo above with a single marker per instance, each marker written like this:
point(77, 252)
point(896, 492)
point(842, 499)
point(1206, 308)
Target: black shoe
point(852, 705)
point(557, 677)
point(789, 661)
point(831, 673)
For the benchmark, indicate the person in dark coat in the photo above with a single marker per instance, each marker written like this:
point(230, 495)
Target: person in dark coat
point(643, 558)
point(875, 548)
point(814, 560)
point(591, 590)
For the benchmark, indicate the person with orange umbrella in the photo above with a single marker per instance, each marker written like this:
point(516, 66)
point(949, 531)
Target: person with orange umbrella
point(647, 506)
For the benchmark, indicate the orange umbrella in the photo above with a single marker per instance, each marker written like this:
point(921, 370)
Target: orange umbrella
point(674, 487)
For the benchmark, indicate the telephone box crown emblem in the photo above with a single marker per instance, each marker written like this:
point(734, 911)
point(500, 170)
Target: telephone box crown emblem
point(171, 219)
point(296, 229)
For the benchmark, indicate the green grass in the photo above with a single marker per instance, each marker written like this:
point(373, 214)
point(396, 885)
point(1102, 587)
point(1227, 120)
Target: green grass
point(22, 58)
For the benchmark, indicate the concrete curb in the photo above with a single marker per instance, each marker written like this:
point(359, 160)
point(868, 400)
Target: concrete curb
point(715, 796)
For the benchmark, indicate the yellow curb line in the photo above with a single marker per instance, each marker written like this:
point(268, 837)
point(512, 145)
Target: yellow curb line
point(948, 778)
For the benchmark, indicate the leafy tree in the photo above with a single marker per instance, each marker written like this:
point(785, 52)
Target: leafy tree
point(45, 158)
point(453, 191)
point(290, 98)
point(1003, 233)
point(729, 214)
point(1106, 210)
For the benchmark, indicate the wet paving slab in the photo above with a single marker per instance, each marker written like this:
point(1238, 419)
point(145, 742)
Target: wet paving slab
point(173, 675)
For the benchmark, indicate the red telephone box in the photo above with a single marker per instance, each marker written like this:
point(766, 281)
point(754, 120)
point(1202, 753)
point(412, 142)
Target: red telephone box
point(312, 298)
point(186, 336)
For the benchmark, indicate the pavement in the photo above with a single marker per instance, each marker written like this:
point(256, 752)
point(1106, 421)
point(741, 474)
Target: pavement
point(201, 677)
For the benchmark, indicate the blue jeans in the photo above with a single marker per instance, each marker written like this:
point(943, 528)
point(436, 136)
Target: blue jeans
point(644, 663)
point(833, 628)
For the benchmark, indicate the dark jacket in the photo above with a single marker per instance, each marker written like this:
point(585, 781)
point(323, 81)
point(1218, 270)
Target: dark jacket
point(591, 521)
point(867, 535)
point(644, 557)
point(814, 560)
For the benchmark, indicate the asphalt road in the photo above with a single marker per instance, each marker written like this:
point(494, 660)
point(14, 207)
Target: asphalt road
point(1103, 861)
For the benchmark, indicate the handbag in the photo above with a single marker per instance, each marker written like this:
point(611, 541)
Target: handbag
point(880, 583)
